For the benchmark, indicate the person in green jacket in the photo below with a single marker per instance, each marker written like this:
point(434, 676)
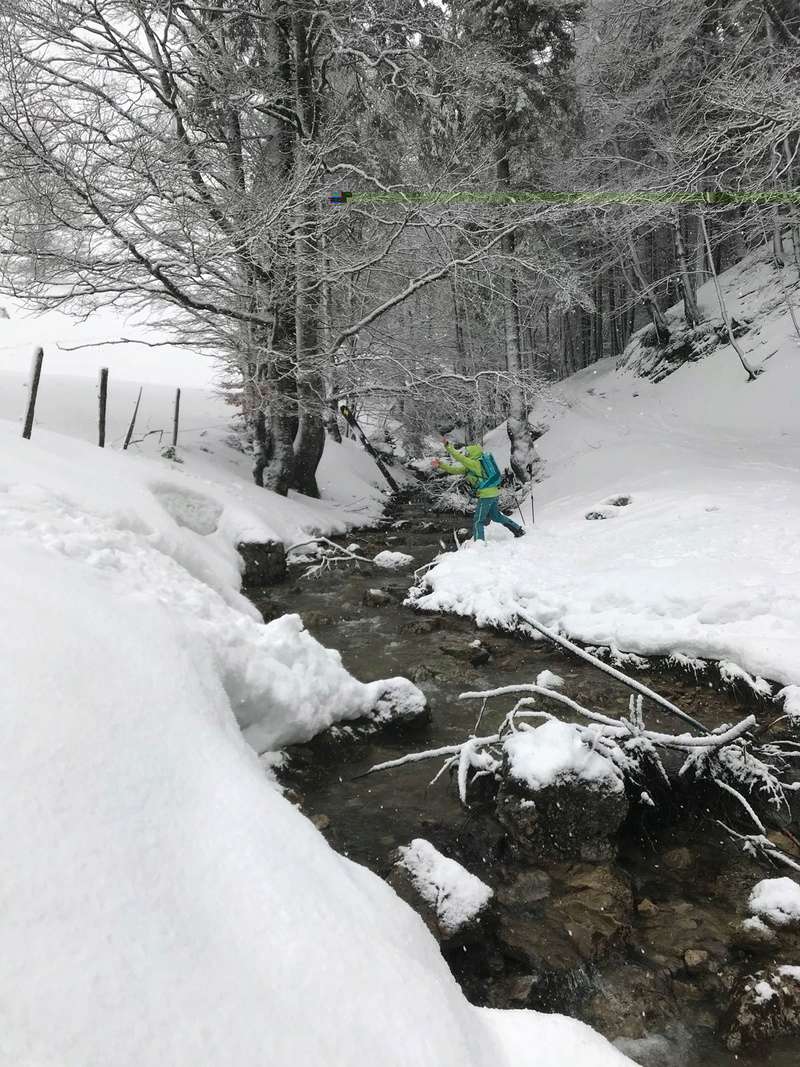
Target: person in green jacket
point(468, 463)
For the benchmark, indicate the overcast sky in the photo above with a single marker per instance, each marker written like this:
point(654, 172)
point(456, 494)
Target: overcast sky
point(22, 332)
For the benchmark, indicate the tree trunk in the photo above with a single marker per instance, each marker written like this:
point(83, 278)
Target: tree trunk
point(690, 309)
point(330, 416)
point(278, 475)
point(751, 372)
point(613, 322)
point(520, 435)
point(281, 385)
point(646, 296)
point(310, 440)
point(255, 415)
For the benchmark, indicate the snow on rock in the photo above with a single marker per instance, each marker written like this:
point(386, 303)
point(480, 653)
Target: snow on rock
point(395, 699)
point(533, 1040)
point(776, 899)
point(790, 695)
point(456, 896)
point(392, 561)
point(555, 753)
point(763, 1006)
point(558, 799)
point(548, 680)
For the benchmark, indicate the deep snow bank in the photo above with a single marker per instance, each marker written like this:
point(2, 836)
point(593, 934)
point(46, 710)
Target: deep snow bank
point(162, 903)
point(703, 560)
point(154, 535)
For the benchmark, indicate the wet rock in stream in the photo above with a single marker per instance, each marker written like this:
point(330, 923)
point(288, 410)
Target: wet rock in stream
point(575, 820)
point(764, 1005)
point(264, 563)
point(377, 598)
point(556, 926)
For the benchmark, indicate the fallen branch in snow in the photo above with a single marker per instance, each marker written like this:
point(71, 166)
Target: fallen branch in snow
point(759, 846)
point(728, 757)
point(622, 727)
point(329, 558)
point(631, 683)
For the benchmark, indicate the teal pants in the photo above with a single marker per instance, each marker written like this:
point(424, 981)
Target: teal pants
point(488, 510)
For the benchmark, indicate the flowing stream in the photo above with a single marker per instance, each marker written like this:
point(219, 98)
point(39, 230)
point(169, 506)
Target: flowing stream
point(685, 881)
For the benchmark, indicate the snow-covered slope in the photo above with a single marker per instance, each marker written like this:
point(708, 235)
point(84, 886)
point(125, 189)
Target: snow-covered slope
point(162, 903)
point(349, 480)
point(152, 533)
point(704, 558)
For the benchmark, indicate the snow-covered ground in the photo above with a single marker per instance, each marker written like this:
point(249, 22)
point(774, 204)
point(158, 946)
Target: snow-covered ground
point(698, 479)
point(163, 903)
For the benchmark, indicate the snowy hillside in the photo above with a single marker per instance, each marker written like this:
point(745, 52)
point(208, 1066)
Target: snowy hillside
point(667, 519)
point(164, 903)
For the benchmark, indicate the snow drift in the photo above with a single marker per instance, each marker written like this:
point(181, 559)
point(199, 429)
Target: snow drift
point(105, 514)
point(698, 472)
point(162, 903)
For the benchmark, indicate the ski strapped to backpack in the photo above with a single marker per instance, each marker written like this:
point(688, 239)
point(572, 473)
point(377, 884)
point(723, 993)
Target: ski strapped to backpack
point(491, 472)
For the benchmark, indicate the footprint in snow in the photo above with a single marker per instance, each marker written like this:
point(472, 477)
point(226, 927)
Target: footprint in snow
point(608, 509)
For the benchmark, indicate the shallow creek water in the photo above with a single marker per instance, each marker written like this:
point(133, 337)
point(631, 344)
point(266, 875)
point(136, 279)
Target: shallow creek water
point(367, 818)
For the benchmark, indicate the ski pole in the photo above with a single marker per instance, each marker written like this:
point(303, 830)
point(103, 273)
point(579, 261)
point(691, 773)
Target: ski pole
point(519, 509)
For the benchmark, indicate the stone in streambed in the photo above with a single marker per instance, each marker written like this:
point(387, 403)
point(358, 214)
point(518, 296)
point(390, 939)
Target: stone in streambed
point(558, 925)
point(763, 1005)
point(377, 598)
point(453, 903)
point(264, 563)
point(558, 799)
point(423, 626)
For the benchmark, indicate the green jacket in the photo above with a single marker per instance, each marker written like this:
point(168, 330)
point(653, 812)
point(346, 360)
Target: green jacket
point(468, 463)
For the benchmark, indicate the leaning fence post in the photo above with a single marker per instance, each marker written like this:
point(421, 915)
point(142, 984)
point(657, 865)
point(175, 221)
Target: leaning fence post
point(36, 374)
point(176, 418)
point(103, 398)
point(129, 434)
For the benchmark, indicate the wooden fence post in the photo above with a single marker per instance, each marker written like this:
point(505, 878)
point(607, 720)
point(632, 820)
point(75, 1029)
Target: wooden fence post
point(176, 418)
point(103, 398)
point(33, 389)
point(129, 434)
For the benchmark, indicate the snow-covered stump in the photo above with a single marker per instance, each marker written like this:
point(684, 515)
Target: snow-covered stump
point(264, 563)
point(558, 799)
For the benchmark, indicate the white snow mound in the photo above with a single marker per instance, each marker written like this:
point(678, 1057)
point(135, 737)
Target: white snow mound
point(776, 899)
point(456, 896)
point(392, 561)
point(136, 526)
point(555, 753)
